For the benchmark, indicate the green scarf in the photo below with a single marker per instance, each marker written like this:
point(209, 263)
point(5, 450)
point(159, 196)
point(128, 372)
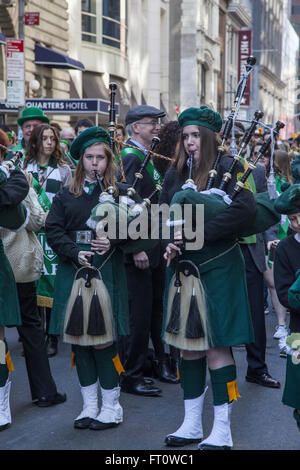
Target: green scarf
point(250, 184)
point(152, 171)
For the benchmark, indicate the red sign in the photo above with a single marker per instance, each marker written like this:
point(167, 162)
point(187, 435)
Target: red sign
point(32, 18)
point(14, 45)
point(245, 48)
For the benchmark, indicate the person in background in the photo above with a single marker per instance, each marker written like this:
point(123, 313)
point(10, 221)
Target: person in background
point(29, 120)
point(81, 125)
point(286, 275)
point(12, 138)
point(67, 134)
point(268, 274)
point(143, 269)
point(56, 125)
point(25, 255)
point(44, 160)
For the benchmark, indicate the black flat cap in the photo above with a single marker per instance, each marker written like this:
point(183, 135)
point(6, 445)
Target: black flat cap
point(139, 112)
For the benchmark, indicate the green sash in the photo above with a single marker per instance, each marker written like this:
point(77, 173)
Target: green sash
point(45, 285)
point(284, 226)
point(250, 184)
point(152, 171)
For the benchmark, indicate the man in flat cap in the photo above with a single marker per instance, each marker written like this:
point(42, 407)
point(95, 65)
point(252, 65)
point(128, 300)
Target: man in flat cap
point(144, 276)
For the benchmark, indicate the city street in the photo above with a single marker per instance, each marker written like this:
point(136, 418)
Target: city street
point(259, 420)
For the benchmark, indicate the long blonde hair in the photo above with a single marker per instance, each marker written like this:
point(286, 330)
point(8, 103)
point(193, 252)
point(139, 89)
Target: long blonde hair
point(282, 165)
point(109, 177)
point(208, 152)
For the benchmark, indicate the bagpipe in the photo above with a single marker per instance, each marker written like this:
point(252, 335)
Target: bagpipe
point(187, 321)
point(89, 315)
point(13, 217)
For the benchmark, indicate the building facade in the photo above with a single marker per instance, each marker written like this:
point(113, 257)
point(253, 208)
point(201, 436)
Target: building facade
point(238, 18)
point(52, 33)
point(131, 50)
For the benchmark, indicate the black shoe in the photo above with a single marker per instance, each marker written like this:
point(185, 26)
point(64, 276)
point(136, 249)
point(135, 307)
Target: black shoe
point(164, 373)
point(52, 341)
point(148, 381)
point(4, 426)
point(99, 426)
point(51, 400)
point(297, 418)
point(140, 388)
point(263, 379)
point(83, 423)
point(174, 441)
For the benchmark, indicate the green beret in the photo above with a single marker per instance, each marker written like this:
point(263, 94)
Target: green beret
point(88, 137)
point(32, 113)
point(202, 116)
point(289, 201)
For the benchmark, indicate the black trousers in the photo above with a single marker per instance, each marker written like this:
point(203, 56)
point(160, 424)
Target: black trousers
point(256, 352)
point(145, 294)
point(33, 339)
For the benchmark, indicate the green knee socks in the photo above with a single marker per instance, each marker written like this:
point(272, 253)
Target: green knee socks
point(85, 364)
point(107, 373)
point(192, 377)
point(92, 364)
point(224, 386)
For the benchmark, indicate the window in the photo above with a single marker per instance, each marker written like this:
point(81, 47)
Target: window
point(203, 84)
point(111, 24)
point(104, 22)
point(88, 20)
point(296, 10)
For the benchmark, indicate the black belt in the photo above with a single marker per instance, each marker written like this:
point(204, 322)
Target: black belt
point(83, 237)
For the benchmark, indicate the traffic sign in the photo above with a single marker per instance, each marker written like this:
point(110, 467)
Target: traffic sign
point(15, 72)
point(32, 18)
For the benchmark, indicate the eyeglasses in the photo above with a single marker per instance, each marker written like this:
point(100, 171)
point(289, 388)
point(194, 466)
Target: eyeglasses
point(150, 123)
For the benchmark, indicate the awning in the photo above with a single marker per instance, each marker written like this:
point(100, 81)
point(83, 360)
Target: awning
point(50, 58)
point(2, 39)
point(93, 86)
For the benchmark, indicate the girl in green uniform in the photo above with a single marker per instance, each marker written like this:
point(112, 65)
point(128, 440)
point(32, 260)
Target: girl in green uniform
point(287, 283)
point(78, 246)
point(222, 271)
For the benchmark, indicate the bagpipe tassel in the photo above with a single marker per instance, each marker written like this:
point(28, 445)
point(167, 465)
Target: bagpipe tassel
point(187, 315)
point(173, 326)
point(194, 327)
point(75, 323)
point(96, 324)
point(91, 309)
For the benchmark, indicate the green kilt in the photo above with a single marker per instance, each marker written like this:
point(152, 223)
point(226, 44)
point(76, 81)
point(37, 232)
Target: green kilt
point(291, 393)
point(222, 272)
point(114, 278)
point(10, 314)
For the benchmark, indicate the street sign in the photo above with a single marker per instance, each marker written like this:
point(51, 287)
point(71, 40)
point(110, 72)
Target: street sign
point(245, 48)
point(32, 18)
point(68, 106)
point(15, 73)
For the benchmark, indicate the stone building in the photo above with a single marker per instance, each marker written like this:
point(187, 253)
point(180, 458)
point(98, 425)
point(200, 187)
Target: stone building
point(47, 60)
point(194, 54)
point(126, 42)
point(275, 45)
